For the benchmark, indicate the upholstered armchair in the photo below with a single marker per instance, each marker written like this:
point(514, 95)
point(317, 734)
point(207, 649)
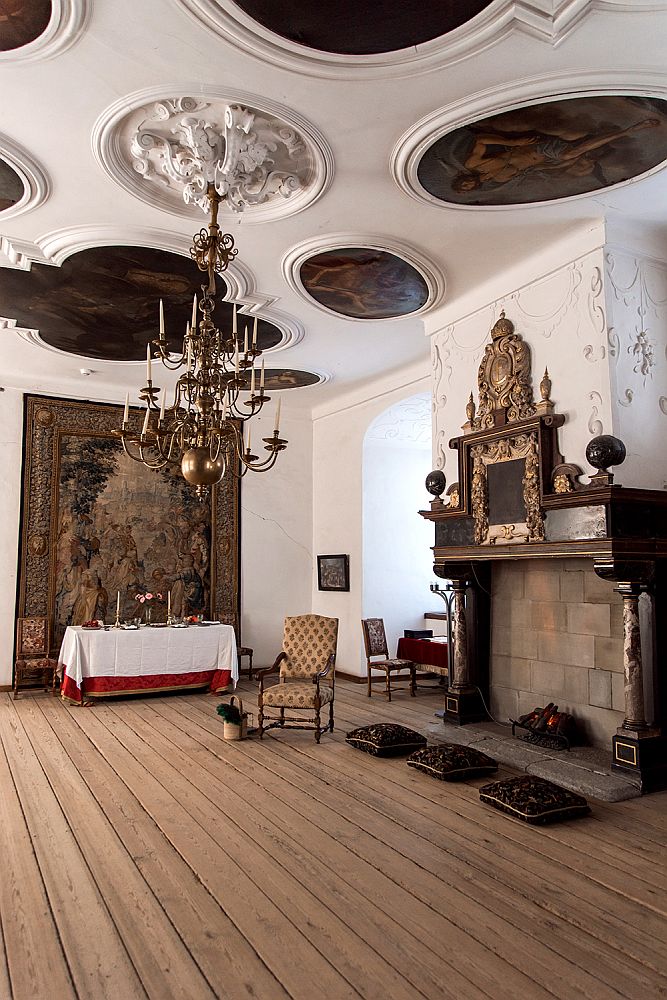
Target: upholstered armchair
point(375, 644)
point(33, 662)
point(307, 679)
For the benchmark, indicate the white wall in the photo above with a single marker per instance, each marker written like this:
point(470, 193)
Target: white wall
point(338, 445)
point(276, 541)
point(397, 562)
point(11, 422)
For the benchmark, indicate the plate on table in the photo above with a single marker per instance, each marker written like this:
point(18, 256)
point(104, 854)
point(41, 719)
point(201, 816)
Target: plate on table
point(130, 628)
point(92, 628)
point(210, 623)
point(180, 625)
point(158, 625)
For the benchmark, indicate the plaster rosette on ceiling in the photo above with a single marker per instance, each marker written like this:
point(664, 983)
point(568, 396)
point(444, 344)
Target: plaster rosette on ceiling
point(363, 278)
point(101, 304)
point(263, 159)
point(557, 148)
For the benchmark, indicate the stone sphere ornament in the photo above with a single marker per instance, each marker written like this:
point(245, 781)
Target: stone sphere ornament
point(435, 483)
point(605, 450)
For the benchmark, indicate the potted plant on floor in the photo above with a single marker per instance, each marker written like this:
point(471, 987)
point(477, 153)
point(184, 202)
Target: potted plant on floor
point(234, 718)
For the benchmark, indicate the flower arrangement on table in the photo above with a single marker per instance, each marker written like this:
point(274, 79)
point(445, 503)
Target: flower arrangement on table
point(145, 599)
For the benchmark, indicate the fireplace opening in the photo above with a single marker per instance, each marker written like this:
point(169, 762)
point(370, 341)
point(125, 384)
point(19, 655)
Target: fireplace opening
point(547, 727)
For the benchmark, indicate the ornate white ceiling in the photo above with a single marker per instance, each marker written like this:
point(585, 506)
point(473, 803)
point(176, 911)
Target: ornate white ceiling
point(348, 130)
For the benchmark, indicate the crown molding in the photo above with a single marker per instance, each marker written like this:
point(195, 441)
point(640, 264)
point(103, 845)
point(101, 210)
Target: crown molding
point(298, 255)
point(408, 151)
point(68, 19)
point(550, 21)
point(111, 149)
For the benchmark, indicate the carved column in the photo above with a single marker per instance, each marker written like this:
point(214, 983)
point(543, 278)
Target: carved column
point(635, 719)
point(460, 676)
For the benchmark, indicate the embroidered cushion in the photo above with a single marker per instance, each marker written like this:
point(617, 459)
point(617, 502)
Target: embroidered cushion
point(533, 799)
point(385, 739)
point(295, 695)
point(452, 762)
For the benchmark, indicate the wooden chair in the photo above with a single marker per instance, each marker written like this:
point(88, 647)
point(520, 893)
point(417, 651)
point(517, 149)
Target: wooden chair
point(307, 676)
point(33, 662)
point(375, 644)
point(246, 651)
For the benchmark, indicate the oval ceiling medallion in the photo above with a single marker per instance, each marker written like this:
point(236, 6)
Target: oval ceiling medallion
point(153, 144)
point(22, 21)
point(547, 151)
point(12, 188)
point(290, 378)
point(364, 283)
point(352, 28)
point(103, 303)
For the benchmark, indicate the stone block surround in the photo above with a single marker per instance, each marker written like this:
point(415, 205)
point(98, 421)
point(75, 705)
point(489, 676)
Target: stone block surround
point(557, 635)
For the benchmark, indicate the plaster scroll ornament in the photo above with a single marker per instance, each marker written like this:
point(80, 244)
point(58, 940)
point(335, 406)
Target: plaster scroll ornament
point(642, 353)
point(504, 377)
point(249, 159)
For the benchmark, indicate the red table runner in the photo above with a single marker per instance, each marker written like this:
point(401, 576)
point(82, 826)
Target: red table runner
point(423, 651)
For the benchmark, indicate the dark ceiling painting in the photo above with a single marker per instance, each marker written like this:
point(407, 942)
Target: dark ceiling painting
point(352, 28)
point(287, 378)
point(103, 303)
point(22, 21)
point(364, 283)
point(547, 151)
point(11, 186)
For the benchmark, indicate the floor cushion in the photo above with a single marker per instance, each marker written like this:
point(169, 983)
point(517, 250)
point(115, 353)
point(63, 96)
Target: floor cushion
point(534, 800)
point(385, 739)
point(452, 762)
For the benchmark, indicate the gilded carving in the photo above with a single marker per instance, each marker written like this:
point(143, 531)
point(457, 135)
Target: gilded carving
point(504, 378)
point(44, 417)
point(454, 496)
point(562, 484)
point(506, 450)
point(38, 545)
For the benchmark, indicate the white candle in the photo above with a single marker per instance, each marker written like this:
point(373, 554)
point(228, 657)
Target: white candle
point(161, 320)
point(261, 377)
point(163, 404)
point(254, 333)
point(236, 358)
point(145, 427)
point(148, 362)
point(126, 413)
point(193, 324)
point(277, 423)
point(252, 383)
point(169, 604)
point(245, 340)
point(248, 440)
point(225, 404)
point(118, 604)
point(189, 354)
point(234, 330)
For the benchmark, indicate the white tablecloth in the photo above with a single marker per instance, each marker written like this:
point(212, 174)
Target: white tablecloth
point(147, 651)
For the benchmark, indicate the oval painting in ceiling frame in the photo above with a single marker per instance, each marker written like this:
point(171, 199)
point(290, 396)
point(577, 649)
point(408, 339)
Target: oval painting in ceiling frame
point(12, 188)
point(103, 303)
point(364, 283)
point(548, 151)
point(22, 21)
point(352, 28)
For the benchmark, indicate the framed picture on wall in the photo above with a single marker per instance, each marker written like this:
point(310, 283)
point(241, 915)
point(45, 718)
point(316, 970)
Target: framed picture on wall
point(333, 572)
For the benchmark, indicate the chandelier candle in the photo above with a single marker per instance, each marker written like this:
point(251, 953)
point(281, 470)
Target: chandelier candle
point(215, 393)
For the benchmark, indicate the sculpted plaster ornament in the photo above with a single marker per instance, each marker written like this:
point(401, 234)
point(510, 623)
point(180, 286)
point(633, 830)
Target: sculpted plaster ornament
point(248, 158)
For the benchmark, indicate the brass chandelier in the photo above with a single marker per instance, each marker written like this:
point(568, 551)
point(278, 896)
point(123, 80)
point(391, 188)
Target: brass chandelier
point(219, 391)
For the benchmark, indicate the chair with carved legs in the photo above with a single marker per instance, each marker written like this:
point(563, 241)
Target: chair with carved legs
point(307, 679)
point(33, 663)
point(375, 644)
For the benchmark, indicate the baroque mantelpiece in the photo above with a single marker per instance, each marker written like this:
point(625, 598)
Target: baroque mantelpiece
point(516, 499)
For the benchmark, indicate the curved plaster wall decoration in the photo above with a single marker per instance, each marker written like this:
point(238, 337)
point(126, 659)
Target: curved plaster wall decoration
point(361, 277)
point(142, 141)
point(19, 170)
point(102, 303)
point(542, 19)
point(552, 138)
point(61, 26)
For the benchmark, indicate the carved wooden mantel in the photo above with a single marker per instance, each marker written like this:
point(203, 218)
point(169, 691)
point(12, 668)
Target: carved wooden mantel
point(517, 499)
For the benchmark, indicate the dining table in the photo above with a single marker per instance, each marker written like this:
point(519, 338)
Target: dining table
point(430, 653)
point(104, 661)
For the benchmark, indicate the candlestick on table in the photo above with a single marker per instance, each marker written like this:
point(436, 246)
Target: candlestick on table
point(117, 622)
point(169, 607)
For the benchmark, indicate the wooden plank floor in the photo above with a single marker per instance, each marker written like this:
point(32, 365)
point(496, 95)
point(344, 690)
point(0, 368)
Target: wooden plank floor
point(145, 857)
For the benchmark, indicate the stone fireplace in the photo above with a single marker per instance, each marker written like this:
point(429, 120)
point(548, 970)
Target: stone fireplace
point(557, 635)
